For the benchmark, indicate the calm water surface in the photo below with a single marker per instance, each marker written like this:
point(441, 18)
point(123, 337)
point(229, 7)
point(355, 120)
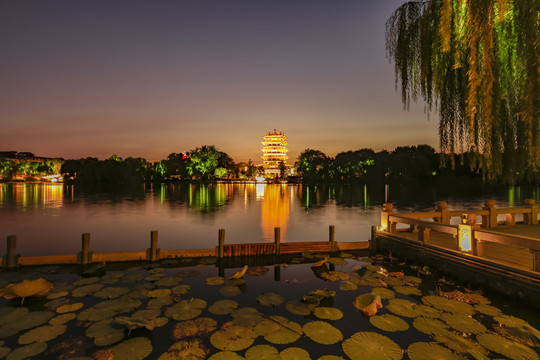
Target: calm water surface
point(49, 219)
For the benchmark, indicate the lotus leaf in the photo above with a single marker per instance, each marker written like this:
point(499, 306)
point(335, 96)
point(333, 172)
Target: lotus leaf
point(69, 308)
point(366, 281)
point(448, 305)
point(458, 343)
point(4, 351)
point(294, 353)
point(226, 355)
point(348, 286)
point(23, 320)
point(392, 281)
point(233, 337)
point(156, 270)
point(429, 351)
point(216, 280)
point(335, 275)
point(62, 319)
point(223, 307)
point(337, 261)
point(57, 295)
point(54, 304)
point(141, 291)
point(401, 307)
point(86, 290)
point(383, 293)
point(181, 289)
point(133, 278)
point(199, 327)
point(389, 322)
point(147, 314)
point(330, 357)
point(512, 321)
point(407, 290)
point(230, 290)
point(105, 332)
point(108, 309)
point(158, 303)
point(192, 350)
point(186, 309)
point(208, 260)
point(42, 334)
point(368, 304)
point(234, 282)
point(426, 311)
point(86, 281)
point(246, 316)
point(328, 313)
point(168, 281)
point(27, 351)
point(133, 349)
point(270, 299)
point(508, 348)
point(263, 352)
point(430, 326)
point(322, 293)
point(368, 345)
point(488, 310)
point(412, 280)
point(278, 330)
point(240, 273)
point(154, 277)
point(159, 293)
point(463, 323)
point(299, 307)
point(132, 323)
point(160, 321)
point(257, 271)
point(322, 332)
point(374, 268)
point(26, 288)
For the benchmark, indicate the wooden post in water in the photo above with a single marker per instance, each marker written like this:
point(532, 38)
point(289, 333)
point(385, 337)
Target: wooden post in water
point(532, 218)
point(490, 221)
point(388, 209)
point(221, 242)
point(11, 259)
point(372, 241)
point(332, 237)
point(277, 272)
point(152, 254)
point(277, 239)
point(85, 256)
point(442, 206)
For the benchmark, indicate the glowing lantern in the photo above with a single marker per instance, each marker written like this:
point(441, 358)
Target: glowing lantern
point(465, 237)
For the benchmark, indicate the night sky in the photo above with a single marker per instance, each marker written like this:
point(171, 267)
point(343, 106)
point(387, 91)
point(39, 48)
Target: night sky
point(149, 78)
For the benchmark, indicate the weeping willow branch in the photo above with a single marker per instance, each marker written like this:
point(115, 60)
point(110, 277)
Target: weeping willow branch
point(477, 62)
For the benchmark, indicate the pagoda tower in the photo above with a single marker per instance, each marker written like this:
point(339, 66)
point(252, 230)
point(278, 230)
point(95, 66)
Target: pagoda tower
point(274, 152)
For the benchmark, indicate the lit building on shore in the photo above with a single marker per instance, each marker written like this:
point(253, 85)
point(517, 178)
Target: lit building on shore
point(274, 153)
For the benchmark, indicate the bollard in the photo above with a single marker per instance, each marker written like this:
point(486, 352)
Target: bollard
point(490, 220)
point(277, 236)
point(221, 242)
point(277, 272)
point(442, 206)
point(85, 255)
point(152, 254)
point(332, 237)
point(11, 259)
point(532, 218)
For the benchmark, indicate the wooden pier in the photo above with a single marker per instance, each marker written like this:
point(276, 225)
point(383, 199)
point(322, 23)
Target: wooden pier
point(498, 248)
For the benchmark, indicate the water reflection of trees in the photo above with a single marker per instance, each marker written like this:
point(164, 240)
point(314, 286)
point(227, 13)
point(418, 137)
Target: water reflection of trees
point(205, 198)
point(316, 196)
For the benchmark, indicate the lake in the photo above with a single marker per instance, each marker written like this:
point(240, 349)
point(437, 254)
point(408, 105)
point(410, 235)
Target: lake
point(48, 219)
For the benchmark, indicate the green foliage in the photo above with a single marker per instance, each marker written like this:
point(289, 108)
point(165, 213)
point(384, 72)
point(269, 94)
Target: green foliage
point(477, 63)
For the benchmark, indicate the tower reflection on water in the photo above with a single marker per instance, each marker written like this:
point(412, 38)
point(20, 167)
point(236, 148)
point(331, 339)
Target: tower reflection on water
point(274, 209)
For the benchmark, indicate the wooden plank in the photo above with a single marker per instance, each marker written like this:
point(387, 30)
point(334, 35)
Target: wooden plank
point(48, 260)
point(123, 256)
point(444, 228)
point(498, 237)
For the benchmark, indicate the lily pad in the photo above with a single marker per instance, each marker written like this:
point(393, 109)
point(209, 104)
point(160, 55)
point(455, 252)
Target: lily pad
point(401, 307)
point(192, 350)
point(201, 327)
point(328, 313)
point(366, 281)
point(407, 290)
point(239, 274)
point(159, 293)
point(366, 345)
point(384, 293)
point(512, 321)
point(133, 349)
point(208, 260)
point(86, 290)
point(233, 337)
point(147, 314)
point(320, 263)
point(226, 355)
point(348, 286)
point(330, 357)
point(337, 261)
point(429, 351)
point(257, 271)
point(335, 275)
point(69, 308)
point(23, 320)
point(389, 322)
point(216, 280)
point(270, 299)
point(181, 289)
point(26, 288)
point(62, 319)
point(412, 280)
point(426, 311)
point(279, 330)
point(459, 343)
point(430, 326)
point(297, 307)
point(105, 332)
point(265, 352)
point(42, 334)
point(230, 290)
point(508, 348)
point(132, 323)
point(448, 305)
point(463, 323)
point(246, 316)
point(186, 309)
point(27, 352)
point(86, 281)
point(168, 281)
point(57, 294)
point(159, 302)
point(108, 309)
point(322, 332)
point(294, 353)
point(488, 310)
point(223, 307)
point(368, 304)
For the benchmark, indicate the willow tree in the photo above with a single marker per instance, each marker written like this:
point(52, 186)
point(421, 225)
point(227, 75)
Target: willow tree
point(476, 63)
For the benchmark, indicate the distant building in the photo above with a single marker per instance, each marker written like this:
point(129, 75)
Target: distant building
point(274, 153)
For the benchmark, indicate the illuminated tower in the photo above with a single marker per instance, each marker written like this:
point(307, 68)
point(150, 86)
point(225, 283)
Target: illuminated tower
point(274, 152)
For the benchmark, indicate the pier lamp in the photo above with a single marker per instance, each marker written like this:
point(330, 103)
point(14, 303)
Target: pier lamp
point(465, 237)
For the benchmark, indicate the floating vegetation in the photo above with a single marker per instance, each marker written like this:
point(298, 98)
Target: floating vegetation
point(508, 348)
point(383, 293)
point(201, 327)
point(278, 330)
point(26, 288)
point(216, 280)
point(233, 337)
point(133, 349)
point(389, 322)
point(459, 343)
point(257, 271)
point(335, 276)
point(270, 299)
point(448, 305)
point(186, 309)
point(322, 332)
point(348, 286)
point(337, 261)
point(430, 326)
point(294, 353)
point(226, 355)
point(266, 352)
point(42, 334)
point(368, 304)
point(463, 323)
point(298, 307)
point(401, 307)
point(328, 313)
point(27, 351)
point(407, 290)
point(371, 346)
point(239, 274)
point(69, 308)
point(223, 307)
point(429, 351)
point(246, 316)
point(487, 310)
point(229, 290)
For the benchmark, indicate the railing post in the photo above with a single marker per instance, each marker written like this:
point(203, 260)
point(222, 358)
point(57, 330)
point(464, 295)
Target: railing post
point(332, 237)
point(532, 218)
point(373, 240)
point(221, 242)
point(536, 260)
point(423, 234)
point(490, 221)
point(11, 259)
point(442, 206)
point(152, 254)
point(85, 255)
point(388, 209)
point(277, 239)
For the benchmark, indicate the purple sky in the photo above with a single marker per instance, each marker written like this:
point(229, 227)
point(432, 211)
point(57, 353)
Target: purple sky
point(148, 78)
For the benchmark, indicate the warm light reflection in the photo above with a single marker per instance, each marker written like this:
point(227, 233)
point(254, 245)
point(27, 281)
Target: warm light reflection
point(465, 237)
point(274, 211)
point(26, 195)
point(259, 188)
